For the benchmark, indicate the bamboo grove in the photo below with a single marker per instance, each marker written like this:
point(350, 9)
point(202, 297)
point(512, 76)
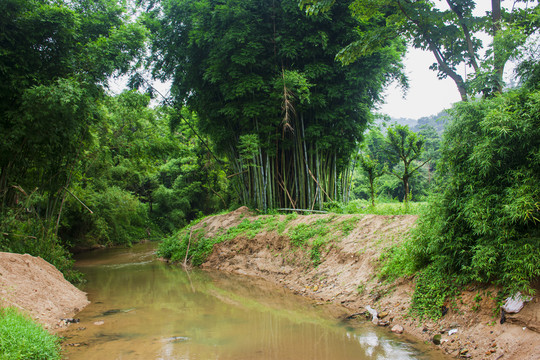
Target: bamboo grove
point(263, 79)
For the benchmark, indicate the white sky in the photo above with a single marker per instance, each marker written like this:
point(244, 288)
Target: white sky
point(426, 96)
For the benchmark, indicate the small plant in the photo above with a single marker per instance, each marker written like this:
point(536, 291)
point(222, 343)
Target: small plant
point(361, 288)
point(347, 226)
point(477, 299)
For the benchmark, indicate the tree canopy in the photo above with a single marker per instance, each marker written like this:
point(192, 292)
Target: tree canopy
point(450, 32)
point(265, 72)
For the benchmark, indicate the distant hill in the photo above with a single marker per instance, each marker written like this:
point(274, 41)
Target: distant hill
point(438, 121)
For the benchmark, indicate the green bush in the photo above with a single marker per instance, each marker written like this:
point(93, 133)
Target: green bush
point(22, 338)
point(484, 224)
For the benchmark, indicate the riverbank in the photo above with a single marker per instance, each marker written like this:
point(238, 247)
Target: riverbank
point(346, 273)
point(37, 288)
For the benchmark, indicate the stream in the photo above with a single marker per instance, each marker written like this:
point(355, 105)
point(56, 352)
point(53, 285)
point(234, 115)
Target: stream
point(145, 309)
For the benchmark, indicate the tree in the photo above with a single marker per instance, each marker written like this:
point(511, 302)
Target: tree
point(55, 59)
point(450, 34)
point(404, 147)
point(261, 73)
point(372, 158)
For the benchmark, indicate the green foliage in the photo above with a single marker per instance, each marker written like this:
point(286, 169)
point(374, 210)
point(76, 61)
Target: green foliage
point(55, 59)
point(433, 287)
point(263, 80)
point(450, 32)
point(371, 161)
point(24, 231)
point(404, 148)
point(381, 208)
point(317, 232)
point(21, 338)
point(483, 226)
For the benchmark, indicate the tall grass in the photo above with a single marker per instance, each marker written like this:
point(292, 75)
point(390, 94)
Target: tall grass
point(22, 338)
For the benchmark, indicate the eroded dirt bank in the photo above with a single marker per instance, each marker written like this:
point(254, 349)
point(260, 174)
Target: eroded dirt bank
point(347, 275)
point(38, 288)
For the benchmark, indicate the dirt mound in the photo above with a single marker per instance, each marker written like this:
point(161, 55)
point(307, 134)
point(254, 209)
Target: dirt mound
point(35, 286)
point(347, 274)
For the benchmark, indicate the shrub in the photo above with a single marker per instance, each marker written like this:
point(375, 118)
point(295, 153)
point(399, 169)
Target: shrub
point(484, 225)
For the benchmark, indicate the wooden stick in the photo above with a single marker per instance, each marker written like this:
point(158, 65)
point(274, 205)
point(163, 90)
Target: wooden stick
point(70, 193)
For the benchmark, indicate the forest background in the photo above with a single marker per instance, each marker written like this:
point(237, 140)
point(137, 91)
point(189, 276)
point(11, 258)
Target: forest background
point(272, 106)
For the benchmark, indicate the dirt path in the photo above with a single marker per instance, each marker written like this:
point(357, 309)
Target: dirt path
point(38, 288)
point(347, 275)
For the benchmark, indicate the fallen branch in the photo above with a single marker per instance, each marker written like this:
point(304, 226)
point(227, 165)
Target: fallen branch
point(83, 204)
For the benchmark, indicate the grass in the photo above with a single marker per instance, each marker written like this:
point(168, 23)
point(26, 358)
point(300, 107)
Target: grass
point(383, 208)
point(22, 338)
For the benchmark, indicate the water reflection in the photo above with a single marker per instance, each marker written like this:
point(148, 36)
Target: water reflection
point(144, 309)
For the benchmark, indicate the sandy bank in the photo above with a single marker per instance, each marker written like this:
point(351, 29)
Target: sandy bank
point(38, 288)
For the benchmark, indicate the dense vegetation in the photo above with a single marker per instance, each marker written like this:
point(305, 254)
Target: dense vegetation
point(484, 224)
point(263, 79)
point(271, 107)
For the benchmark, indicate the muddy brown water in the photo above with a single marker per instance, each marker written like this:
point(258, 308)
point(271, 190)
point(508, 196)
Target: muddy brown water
point(144, 309)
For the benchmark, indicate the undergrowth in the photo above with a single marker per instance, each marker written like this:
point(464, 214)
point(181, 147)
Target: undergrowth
point(22, 338)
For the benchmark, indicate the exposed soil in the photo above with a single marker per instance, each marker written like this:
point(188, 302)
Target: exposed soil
point(39, 289)
point(347, 275)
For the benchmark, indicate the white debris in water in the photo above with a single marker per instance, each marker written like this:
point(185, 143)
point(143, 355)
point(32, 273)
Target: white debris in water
point(373, 313)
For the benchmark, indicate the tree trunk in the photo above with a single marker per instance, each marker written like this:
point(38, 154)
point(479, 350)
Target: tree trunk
point(498, 62)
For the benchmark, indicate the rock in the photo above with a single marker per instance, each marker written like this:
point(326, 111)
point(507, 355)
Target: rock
point(451, 332)
point(383, 314)
point(398, 329)
point(437, 339)
point(383, 323)
point(529, 317)
point(99, 323)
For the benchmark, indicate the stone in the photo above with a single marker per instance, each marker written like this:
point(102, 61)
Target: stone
point(383, 314)
point(99, 323)
point(437, 339)
point(398, 329)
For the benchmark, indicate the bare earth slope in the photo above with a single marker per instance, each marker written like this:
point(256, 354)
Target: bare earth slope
point(347, 275)
point(35, 286)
